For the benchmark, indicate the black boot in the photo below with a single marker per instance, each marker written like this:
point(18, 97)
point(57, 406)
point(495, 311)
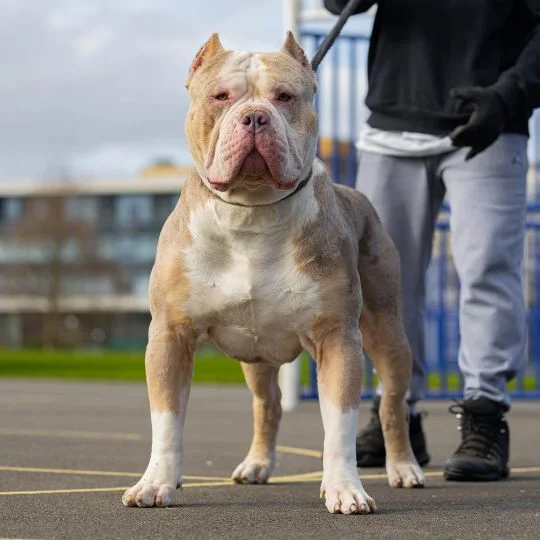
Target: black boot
point(484, 449)
point(370, 451)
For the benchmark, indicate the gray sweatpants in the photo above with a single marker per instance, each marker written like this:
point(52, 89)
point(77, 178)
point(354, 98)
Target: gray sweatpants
point(487, 198)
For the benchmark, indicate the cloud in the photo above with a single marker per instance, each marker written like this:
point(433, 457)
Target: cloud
point(98, 87)
point(84, 83)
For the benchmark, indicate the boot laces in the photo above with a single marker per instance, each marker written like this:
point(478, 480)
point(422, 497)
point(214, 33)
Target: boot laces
point(480, 432)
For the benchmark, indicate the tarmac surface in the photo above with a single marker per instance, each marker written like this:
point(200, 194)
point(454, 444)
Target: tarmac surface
point(68, 451)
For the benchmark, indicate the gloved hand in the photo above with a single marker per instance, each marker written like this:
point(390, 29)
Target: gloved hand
point(486, 122)
point(337, 6)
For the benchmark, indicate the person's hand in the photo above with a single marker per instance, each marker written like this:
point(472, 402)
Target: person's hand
point(486, 122)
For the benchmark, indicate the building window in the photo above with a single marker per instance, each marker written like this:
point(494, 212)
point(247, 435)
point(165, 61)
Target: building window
point(140, 284)
point(106, 209)
point(126, 247)
point(133, 210)
point(11, 210)
point(164, 205)
point(82, 208)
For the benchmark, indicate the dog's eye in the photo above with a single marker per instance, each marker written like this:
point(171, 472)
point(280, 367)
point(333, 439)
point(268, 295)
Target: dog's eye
point(284, 96)
point(222, 96)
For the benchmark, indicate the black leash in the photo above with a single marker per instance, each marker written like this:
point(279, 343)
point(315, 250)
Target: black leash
point(328, 41)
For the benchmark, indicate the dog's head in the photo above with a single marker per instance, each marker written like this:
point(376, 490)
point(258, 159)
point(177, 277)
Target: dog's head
point(251, 125)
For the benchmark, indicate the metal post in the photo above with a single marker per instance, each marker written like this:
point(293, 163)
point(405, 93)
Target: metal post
point(290, 16)
point(289, 374)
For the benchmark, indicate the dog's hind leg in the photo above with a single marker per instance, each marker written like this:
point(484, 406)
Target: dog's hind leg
point(169, 368)
point(388, 348)
point(262, 380)
point(386, 344)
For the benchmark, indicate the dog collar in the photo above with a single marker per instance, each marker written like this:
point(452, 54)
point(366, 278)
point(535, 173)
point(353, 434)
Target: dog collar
point(298, 188)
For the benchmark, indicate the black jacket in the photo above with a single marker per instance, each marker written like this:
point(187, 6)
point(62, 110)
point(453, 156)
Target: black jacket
point(421, 49)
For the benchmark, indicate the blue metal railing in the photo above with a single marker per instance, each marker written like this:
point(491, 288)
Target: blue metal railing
point(339, 102)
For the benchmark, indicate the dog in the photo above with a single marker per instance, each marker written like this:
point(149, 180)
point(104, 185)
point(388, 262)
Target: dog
point(265, 257)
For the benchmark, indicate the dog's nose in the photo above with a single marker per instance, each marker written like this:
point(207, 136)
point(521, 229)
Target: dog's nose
point(255, 121)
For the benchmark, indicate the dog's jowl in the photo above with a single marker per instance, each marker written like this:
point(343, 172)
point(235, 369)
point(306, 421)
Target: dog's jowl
point(264, 256)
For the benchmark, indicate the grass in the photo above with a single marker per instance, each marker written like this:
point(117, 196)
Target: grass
point(211, 367)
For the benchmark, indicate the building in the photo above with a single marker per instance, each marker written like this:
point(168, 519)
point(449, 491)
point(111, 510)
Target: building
point(75, 258)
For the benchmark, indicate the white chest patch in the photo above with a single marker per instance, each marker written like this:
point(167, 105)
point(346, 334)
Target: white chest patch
point(245, 288)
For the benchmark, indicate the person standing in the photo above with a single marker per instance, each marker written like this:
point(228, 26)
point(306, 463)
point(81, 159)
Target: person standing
point(451, 87)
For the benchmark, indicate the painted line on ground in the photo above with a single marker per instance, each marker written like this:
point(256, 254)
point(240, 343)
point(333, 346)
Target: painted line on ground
point(314, 476)
point(296, 478)
point(96, 473)
point(105, 489)
point(299, 451)
point(104, 435)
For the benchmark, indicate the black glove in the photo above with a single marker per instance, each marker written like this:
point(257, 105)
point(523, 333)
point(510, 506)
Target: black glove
point(486, 122)
point(337, 6)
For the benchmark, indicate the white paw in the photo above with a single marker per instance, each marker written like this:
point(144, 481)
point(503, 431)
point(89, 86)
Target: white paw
point(158, 485)
point(253, 471)
point(405, 474)
point(346, 495)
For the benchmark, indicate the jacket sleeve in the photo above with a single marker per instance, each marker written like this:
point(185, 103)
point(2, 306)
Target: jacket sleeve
point(336, 6)
point(521, 83)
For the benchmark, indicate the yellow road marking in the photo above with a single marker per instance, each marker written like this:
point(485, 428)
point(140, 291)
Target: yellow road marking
point(96, 473)
point(53, 491)
point(524, 469)
point(299, 451)
point(67, 471)
point(300, 478)
point(317, 475)
point(73, 434)
point(102, 490)
point(296, 478)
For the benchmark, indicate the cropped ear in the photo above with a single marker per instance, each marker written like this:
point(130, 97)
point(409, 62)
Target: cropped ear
point(292, 48)
point(209, 49)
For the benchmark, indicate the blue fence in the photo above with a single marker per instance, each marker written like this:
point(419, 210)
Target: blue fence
point(342, 85)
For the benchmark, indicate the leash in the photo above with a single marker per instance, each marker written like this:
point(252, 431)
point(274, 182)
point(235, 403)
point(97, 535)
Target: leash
point(328, 41)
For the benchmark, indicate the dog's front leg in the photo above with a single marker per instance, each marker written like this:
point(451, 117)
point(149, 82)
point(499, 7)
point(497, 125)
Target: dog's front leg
point(339, 369)
point(259, 462)
point(169, 368)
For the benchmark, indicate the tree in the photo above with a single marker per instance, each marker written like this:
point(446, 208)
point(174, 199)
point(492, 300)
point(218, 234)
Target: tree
point(56, 248)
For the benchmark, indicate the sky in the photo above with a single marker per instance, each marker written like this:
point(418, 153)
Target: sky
point(92, 87)
point(96, 87)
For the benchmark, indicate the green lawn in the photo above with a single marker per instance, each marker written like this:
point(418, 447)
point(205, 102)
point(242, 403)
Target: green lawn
point(211, 367)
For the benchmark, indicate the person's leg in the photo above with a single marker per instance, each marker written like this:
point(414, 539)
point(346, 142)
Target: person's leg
point(407, 196)
point(487, 197)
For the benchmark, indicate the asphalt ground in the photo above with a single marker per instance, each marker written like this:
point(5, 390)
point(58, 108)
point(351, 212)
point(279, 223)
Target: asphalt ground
point(68, 451)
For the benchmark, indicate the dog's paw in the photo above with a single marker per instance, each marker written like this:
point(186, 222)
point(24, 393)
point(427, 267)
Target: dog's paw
point(253, 471)
point(405, 474)
point(145, 494)
point(158, 485)
point(346, 496)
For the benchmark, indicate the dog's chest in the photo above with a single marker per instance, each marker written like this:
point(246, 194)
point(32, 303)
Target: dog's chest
point(247, 292)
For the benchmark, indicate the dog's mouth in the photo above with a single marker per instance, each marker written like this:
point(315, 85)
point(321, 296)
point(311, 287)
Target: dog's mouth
point(252, 169)
point(254, 164)
point(258, 171)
